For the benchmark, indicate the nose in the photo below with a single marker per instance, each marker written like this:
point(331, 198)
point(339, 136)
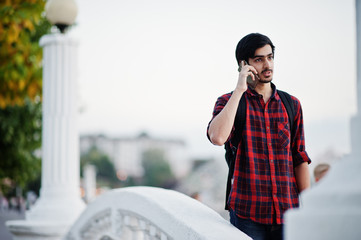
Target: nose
point(267, 64)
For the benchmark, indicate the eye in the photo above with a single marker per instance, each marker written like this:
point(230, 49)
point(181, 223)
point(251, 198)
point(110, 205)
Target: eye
point(257, 60)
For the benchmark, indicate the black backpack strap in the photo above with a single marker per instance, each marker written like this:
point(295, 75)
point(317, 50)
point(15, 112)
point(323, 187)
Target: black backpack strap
point(290, 107)
point(230, 162)
point(231, 148)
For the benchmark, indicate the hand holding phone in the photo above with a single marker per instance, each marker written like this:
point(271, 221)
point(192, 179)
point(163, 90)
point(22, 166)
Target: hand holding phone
point(252, 83)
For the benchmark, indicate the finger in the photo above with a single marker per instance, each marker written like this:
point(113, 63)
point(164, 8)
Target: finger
point(255, 76)
point(252, 75)
point(252, 69)
point(244, 67)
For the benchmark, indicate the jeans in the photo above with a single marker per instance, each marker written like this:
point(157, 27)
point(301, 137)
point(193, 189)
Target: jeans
point(257, 231)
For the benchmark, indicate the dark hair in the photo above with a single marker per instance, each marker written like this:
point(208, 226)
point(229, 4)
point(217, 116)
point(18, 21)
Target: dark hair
point(248, 45)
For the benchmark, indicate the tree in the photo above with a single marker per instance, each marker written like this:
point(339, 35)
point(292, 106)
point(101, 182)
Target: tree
point(157, 171)
point(106, 173)
point(20, 131)
point(22, 23)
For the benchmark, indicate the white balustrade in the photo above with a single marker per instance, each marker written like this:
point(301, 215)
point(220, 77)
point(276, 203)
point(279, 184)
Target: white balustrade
point(147, 213)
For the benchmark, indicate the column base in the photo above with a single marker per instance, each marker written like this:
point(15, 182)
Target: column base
point(65, 210)
point(49, 219)
point(36, 230)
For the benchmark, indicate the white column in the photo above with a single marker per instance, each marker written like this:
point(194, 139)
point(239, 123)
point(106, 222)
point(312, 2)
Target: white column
point(60, 203)
point(332, 209)
point(358, 52)
point(356, 120)
point(89, 182)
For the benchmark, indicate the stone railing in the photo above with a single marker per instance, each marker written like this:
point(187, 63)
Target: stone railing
point(150, 213)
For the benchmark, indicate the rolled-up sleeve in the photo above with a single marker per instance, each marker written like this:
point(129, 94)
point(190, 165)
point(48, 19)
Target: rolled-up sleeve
point(299, 154)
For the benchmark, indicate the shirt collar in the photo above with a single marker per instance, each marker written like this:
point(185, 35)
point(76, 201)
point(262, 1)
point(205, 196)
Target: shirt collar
point(252, 93)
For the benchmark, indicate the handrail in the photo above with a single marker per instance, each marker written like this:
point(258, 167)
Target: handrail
point(150, 213)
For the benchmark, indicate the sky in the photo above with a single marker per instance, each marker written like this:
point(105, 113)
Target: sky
point(159, 66)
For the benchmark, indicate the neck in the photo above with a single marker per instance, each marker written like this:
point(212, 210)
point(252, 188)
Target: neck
point(265, 90)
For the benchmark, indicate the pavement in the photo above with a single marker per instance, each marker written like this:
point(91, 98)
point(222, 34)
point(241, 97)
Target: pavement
point(6, 216)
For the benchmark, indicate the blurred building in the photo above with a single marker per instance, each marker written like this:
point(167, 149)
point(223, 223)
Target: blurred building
point(126, 152)
point(207, 183)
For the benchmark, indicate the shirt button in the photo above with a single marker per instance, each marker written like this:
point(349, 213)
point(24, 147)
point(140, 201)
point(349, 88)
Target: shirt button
point(274, 195)
point(271, 161)
point(269, 144)
point(267, 128)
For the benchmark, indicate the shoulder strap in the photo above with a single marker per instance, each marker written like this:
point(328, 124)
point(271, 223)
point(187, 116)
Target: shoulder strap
point(231, 148)
point(290, 108)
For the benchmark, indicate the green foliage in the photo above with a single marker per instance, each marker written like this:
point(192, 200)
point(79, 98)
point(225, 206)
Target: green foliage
point(22, 23)
point(20, 131)
point(157, 171)
point(21, 26)
point(106, 174)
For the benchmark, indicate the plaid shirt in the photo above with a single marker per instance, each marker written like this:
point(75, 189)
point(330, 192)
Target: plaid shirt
point(264, 184)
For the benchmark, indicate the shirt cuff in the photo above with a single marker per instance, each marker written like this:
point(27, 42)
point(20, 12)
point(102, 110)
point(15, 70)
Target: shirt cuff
point(300, 157)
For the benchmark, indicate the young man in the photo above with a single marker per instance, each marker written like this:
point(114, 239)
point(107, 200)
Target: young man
point(271, 166)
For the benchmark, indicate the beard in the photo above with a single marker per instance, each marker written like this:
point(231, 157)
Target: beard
point(265, 80)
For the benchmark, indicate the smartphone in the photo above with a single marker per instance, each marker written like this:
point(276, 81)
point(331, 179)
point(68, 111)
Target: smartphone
point(252, 83)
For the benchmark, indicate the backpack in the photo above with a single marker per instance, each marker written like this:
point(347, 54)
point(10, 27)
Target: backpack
point(239, 122)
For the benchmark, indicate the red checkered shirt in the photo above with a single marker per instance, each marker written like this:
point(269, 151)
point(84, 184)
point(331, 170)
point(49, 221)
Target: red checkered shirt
point(264, 184)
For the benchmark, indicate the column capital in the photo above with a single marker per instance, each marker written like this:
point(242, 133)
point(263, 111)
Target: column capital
point(58, 38)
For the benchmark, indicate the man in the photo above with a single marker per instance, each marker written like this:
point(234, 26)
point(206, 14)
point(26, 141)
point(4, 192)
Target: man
point(271, 166)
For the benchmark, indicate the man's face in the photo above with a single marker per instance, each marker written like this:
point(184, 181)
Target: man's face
point(263, 62)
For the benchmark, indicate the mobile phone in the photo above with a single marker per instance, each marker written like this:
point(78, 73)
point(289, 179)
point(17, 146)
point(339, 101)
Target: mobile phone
point(252, 83)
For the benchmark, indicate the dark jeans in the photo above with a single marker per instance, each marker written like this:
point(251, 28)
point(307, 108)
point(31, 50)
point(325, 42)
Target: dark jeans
point(257, 231)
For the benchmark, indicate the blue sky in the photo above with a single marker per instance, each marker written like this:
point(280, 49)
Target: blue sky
point(160, 65)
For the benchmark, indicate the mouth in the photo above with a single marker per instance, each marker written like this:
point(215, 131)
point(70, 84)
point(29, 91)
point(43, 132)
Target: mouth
point(267, 73)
